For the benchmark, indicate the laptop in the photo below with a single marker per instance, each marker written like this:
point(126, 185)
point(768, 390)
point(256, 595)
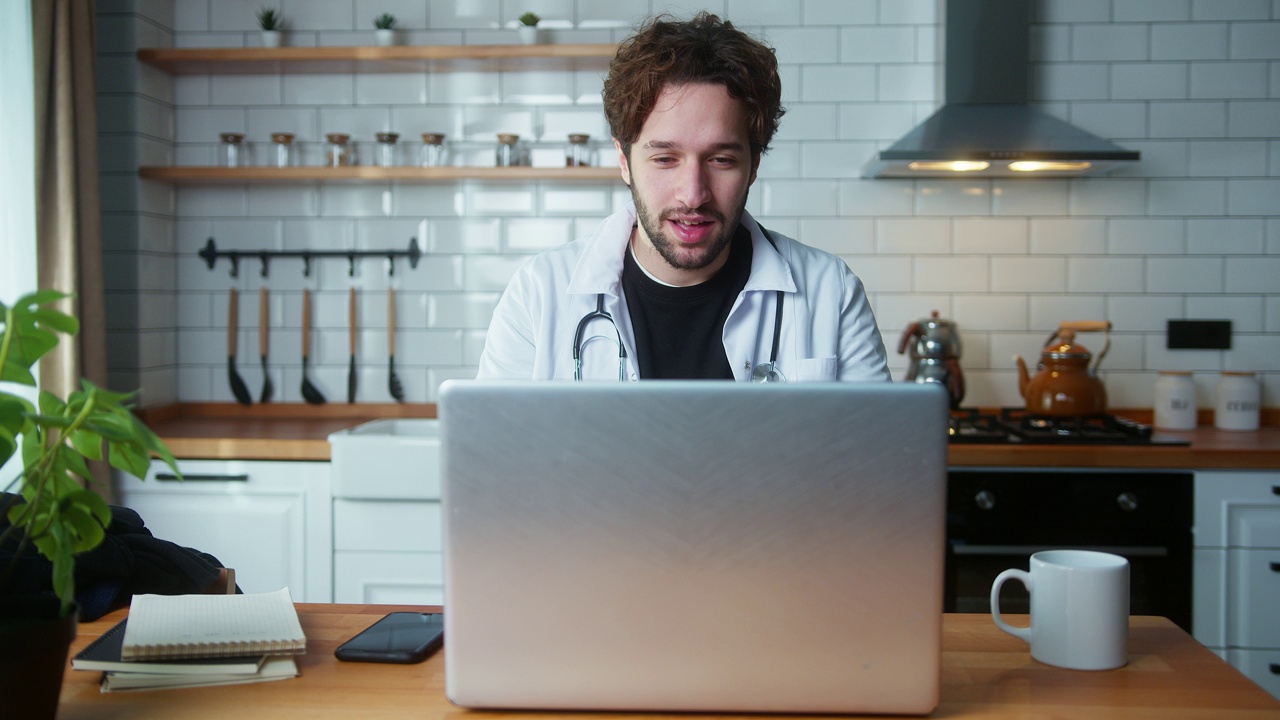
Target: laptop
point(693, 545)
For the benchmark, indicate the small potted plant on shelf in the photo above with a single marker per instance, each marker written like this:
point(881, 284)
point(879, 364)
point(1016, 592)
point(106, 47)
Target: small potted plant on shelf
point(271, 22)
point(385, 29)
point(48, 509)
point(528, 28)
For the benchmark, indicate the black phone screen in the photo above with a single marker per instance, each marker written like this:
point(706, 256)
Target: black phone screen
point(399, 637)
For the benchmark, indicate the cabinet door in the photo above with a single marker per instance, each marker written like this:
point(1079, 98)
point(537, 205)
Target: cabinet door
point(1254, 592)
point(1262, 667)
point(268, 520)
point(412, 578)
point(1232, 507)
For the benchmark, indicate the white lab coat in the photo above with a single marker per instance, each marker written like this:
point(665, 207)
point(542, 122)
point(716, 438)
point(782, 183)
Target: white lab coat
point(828, 330)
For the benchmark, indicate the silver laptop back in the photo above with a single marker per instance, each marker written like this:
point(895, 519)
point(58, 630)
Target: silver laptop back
point(699, 546)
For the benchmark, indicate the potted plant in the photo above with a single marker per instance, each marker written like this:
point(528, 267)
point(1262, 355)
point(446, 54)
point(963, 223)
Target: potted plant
point(385, 29)
point(528, 28)
point(271, 22)
point(52, 513)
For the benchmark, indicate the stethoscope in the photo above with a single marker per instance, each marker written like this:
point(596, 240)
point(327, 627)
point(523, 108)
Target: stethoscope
point(765, 372)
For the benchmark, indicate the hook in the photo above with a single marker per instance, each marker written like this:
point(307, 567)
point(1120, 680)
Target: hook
point(391, 265)
point(351, 264)
point(265, 263)
point(235, 265)
point(306, 265)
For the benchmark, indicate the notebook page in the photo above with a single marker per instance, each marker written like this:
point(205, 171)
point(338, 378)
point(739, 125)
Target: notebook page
point(172, 626)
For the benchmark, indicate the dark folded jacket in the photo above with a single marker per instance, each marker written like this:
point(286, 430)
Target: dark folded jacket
point(130, 561)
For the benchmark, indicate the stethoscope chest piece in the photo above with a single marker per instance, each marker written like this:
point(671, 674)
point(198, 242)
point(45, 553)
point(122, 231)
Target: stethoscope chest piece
point(767, 373)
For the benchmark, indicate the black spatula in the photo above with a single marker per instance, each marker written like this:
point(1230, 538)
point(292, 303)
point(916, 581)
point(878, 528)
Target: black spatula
point(263, 330)
point(310, 392)
point(238, 388)
point(351, 333)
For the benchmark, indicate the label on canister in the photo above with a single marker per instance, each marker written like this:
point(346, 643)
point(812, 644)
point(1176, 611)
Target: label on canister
point(1175, 401)
point(1239, 401)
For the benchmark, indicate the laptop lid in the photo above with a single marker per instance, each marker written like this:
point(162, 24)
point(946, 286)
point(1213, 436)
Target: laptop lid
point(693, 545)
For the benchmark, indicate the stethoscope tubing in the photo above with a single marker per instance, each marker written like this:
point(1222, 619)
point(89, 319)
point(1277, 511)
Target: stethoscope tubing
point(764, 372)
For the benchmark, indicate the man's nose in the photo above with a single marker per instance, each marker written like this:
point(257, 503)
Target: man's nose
point(694, 188)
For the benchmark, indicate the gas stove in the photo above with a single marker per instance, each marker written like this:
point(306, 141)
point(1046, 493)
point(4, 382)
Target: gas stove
point(1017, 425)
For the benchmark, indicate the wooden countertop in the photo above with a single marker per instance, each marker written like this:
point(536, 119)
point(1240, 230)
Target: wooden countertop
point(284, 431)
point(985, 674)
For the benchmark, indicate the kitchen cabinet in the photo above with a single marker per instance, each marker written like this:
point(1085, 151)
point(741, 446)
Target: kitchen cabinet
point(398, 59)
point(387, 521)
point(1237, 570)
point(270, 521)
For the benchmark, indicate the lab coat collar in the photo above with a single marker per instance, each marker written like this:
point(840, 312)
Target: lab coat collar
point(599, 268)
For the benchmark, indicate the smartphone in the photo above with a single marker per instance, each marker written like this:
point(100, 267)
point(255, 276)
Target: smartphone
point(399, 637)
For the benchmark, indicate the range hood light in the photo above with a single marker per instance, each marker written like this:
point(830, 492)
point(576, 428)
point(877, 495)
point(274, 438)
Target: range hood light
point(949, 165)
point(987, 126)
point(1033, 166)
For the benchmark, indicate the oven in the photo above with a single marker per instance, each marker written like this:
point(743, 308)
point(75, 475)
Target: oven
point(998, 517)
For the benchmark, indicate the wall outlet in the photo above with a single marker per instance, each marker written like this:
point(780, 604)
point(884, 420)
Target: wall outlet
point(1198, 335)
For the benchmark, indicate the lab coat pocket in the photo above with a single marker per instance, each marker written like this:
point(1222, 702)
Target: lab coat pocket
point(816, 369)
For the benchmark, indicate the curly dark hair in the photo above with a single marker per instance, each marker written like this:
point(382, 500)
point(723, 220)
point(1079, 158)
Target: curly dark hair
point(665, 51)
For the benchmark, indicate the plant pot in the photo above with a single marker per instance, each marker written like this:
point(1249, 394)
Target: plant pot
point(34, 641)
point(385, 37)
point(270, 38)
point(528, 34)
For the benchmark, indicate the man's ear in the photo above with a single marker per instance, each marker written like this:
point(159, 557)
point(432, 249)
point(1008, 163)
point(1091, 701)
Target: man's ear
point(623, 165)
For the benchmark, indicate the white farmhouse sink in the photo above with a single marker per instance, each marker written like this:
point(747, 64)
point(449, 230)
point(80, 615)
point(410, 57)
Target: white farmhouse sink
point(396, 458)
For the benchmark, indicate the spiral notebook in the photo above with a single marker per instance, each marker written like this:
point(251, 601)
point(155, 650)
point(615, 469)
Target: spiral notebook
point(166, 627)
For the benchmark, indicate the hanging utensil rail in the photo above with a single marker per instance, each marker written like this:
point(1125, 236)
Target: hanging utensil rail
point(211, 253)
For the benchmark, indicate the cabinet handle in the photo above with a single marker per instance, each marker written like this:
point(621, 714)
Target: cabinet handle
point(1275, 567)
point(1275, 489)
point(1275, 668)
point(170, 477)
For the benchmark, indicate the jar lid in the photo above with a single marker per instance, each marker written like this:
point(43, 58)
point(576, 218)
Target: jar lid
point(1239, 373)
point(508, 138)
point(337, 138)
point(283, 138)
point(578, 138)
point(432, 138)
point(1178, 373)
point(231, 137)
point(387, 137)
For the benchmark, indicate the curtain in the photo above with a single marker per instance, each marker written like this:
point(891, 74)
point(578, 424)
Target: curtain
point(68, 213)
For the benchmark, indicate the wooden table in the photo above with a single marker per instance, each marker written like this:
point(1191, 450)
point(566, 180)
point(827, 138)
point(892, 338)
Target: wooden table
point(985, 674)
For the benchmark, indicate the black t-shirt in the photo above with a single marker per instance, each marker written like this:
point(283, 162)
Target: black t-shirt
point(679, 330)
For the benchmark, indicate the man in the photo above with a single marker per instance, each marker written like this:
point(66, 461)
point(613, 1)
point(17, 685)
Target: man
point(684, 283)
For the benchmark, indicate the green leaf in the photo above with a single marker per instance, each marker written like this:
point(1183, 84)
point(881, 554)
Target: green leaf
point(88, 443)
point(113, 428)
point(74, 462)
point(129, 457)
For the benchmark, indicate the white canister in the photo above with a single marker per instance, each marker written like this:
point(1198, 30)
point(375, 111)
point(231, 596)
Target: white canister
point(1175, 401)
point(1239, 401)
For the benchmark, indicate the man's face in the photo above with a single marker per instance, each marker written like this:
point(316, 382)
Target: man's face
point(689, 172)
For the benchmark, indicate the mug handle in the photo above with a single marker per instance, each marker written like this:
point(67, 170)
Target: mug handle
point(1023, 634)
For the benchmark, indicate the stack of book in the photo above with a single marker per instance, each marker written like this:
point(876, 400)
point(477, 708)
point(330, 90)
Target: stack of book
point(176, 641)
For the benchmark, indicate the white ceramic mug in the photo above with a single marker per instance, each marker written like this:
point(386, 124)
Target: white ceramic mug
point(1079, 608)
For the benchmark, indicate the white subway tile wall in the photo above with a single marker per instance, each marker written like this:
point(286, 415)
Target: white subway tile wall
point(1192, 231)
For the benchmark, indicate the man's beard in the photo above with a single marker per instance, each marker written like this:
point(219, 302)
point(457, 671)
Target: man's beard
point(668, 249)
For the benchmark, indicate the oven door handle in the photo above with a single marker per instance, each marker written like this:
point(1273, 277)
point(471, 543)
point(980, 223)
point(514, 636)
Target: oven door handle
point(1125, 550)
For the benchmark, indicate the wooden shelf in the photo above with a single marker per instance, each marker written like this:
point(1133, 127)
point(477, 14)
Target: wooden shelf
point(201, 175)
point(394, 59)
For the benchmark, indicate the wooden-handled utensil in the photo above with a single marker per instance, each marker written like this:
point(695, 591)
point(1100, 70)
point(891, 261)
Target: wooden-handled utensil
point(310, 392)
point(264, 316)
point(393, 381)
point(238, 388)
point(351, 331)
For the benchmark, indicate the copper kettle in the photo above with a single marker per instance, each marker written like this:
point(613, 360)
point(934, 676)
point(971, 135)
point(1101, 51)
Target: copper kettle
point(1066, 384)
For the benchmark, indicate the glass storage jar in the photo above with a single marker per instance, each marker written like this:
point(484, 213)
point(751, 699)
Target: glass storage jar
point(508, 151)
point(432, 153)
point(385, 152)
point(231, 154)
point(282, 149)
point(578, 153)
point(338, 151)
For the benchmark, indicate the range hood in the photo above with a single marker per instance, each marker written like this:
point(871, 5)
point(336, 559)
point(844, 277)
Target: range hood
point(986, 128)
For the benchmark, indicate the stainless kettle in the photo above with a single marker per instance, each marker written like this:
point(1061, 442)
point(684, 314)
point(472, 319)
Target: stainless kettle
point(935, 355)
